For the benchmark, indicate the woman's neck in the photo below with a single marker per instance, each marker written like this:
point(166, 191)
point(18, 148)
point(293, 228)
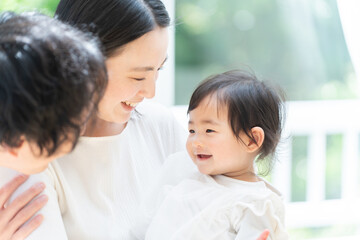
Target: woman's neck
point(100, 128)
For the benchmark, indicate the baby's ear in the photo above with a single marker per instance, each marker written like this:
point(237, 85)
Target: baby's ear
point(259, 136)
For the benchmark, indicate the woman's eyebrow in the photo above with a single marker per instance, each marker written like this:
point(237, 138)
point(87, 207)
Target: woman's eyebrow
point(146, 69)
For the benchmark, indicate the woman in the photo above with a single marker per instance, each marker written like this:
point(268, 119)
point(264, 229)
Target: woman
point(95, 191)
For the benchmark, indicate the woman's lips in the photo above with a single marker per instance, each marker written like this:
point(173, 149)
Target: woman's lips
point(129, 106)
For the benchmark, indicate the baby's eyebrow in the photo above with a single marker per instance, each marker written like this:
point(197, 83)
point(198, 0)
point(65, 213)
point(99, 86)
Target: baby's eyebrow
point(206, 121)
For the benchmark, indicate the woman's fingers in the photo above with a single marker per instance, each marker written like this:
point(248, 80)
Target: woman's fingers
point(8, 189)
point(28, 228)
point(13, 215)
point(13, 208)
point(25, 214)
point(264, 235)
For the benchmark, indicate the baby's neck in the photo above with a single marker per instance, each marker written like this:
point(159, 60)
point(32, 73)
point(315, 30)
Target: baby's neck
point(248, 176)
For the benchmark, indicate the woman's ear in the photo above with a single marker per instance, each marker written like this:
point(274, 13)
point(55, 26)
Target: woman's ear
point(259, 136)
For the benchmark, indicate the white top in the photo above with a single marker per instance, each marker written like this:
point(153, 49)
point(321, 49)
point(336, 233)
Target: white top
point(202, 207)
point(98, 187)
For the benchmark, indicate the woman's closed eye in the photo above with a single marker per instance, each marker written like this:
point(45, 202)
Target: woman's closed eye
point(139, 79)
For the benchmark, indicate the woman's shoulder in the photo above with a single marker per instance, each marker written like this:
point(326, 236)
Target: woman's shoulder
point(152, 110)
point(152, 115)
point(158, 124)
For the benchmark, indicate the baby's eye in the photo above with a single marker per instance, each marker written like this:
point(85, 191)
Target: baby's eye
point(209, 131)
point(191, 131)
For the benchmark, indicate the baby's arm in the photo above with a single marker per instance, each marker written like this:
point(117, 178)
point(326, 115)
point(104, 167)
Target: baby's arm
point(52, 226)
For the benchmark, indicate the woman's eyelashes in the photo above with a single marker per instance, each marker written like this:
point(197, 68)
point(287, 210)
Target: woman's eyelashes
point(139, 79)
point(143, 78)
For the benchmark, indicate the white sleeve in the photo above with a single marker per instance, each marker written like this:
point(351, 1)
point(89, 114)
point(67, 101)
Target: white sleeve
point(52, 227)
point(177, 167)
point(256, 218)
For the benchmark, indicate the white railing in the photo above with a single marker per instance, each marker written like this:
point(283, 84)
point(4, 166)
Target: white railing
point(317, 120)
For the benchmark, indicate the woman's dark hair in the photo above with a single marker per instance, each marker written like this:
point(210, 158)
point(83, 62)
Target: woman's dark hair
point(249, 102)
point(116, 22)
point(51, 77)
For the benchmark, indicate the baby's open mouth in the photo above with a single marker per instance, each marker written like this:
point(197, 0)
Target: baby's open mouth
point(203, 156)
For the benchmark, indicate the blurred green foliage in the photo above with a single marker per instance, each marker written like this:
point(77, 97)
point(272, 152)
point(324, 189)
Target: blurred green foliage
point(298, 170)
point(45, 6)
point(334, 146)
point(329, 232)
point(298, 44)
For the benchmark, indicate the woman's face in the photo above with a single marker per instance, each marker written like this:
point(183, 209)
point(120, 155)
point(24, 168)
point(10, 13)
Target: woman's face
point(132, 75)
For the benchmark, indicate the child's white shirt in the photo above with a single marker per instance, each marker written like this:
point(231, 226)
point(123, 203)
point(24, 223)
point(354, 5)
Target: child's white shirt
point(189, 205)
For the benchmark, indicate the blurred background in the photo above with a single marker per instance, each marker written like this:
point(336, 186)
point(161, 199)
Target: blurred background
point(300, 45)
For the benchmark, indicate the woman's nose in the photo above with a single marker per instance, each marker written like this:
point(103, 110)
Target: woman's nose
point(148, 88)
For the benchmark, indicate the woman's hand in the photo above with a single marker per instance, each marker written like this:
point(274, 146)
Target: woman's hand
point(15, 214)
point(264, 235)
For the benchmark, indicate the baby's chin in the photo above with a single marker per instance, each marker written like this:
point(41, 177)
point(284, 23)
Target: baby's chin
point(204, 170)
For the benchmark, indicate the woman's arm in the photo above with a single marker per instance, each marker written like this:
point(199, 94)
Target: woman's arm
point(24, 207)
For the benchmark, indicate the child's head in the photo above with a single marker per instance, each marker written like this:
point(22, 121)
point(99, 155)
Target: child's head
point(51, 79)
point(234, 118)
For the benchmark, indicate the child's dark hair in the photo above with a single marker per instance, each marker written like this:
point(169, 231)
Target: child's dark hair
point(51, 77)
point(250, 103)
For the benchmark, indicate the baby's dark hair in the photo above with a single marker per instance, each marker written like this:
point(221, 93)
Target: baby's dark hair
point(51, 77)
point(249, 102)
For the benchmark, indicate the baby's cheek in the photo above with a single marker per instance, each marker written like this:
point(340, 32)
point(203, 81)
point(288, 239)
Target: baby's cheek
point(189, 148)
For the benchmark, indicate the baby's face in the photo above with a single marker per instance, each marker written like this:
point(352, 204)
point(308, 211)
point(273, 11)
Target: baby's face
point(211, 143)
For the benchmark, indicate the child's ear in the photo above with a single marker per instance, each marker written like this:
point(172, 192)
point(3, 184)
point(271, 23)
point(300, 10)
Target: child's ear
point(259, 136)
point(14, 151)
